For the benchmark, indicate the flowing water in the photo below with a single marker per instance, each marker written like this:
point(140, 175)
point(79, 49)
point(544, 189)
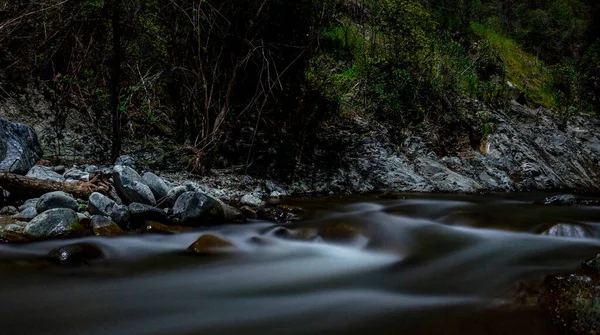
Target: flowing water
point(425, 264)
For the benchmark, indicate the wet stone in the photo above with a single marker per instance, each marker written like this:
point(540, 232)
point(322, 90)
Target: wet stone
point(152, 227)
point(276, 215)
point(130, 186)
point(568, 230)
point(105, 226)
point(75, 254)
point(194, 209)
point(55, 223)
point(210, 245)
point(140, 213)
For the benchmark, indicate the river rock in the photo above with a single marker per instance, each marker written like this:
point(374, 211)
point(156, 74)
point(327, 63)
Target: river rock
point(338, 232)
point(156, 184)
point(12, 233)
point(125, 160)
point(53, 223)
point(44, 173)
point(29, 203)
point(276, 215)
point(251, 200)
point(60, 169)
point(19, 147)
point(105, 226)
point(568, 230)
point(140, 213)
point(74, 174)
point(75, 254)
point(130, 186)
point(100, 204)
point(56, 199)
point(209, 244)
point(195, 208)
point(26, 214)
point(8, 210)
point(559, 200)
point(153, 227)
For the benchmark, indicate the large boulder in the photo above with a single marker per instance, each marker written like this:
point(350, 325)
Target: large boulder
point(130, 186)
point(19, 147)
point(195, 208)
point(102, 205)
point(156, 184)
point(44, 173)
point(54, 223)
point(56, 199)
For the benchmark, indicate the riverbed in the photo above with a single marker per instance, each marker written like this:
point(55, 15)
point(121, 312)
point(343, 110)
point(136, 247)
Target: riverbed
point(411, 264)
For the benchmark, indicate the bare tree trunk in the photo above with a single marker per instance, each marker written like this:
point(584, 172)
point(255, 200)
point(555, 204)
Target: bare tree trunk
point(115, 80)
point(22, 184)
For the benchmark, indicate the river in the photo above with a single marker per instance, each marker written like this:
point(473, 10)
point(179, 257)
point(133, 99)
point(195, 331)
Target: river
point(423, 264)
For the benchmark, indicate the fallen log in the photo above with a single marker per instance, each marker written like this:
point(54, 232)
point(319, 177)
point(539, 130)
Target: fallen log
point(19, 184)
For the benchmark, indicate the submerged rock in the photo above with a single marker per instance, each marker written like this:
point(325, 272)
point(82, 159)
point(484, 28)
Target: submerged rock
point(44, 173)
point(157, 185)
point(57, 199)
point(54, 223)
point(210, 245)
point(130, 186)
point(194, 209)
point(276, 215)
point(153, 227)
point(104, 226)
point(568, 230)
point(75, 254)
point(19, 147)
point(559, 200)
point(338, 232)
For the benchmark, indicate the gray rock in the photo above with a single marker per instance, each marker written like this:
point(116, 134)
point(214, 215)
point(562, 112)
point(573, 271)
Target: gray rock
point(102, 205)
point(29, 203)
point(44, 173)
point(57, 199)
point(130, 186)
point(173, 195)
point(75, 174)
point(8, 210)
point(140, 213)
point(83, 215)
point(15, 228)
point(125, 160)
point(156, 184)
point(59, 169)
point(19, 147)
point(251, 200)
point(26, 214)
point(195, 208)
point(91, 168)
point(54, 223)
point(274, 189)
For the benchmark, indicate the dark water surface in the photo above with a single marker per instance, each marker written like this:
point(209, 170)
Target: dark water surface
point(427, 264)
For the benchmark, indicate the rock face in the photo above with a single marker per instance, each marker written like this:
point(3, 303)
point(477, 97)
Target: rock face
point(195, 208)
point(54, 223)
point(19, 147)
point(100, 204)
point(44, 173)
point(525, 151)
point(57, 199)
point(130, 186)
point(156, 184)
